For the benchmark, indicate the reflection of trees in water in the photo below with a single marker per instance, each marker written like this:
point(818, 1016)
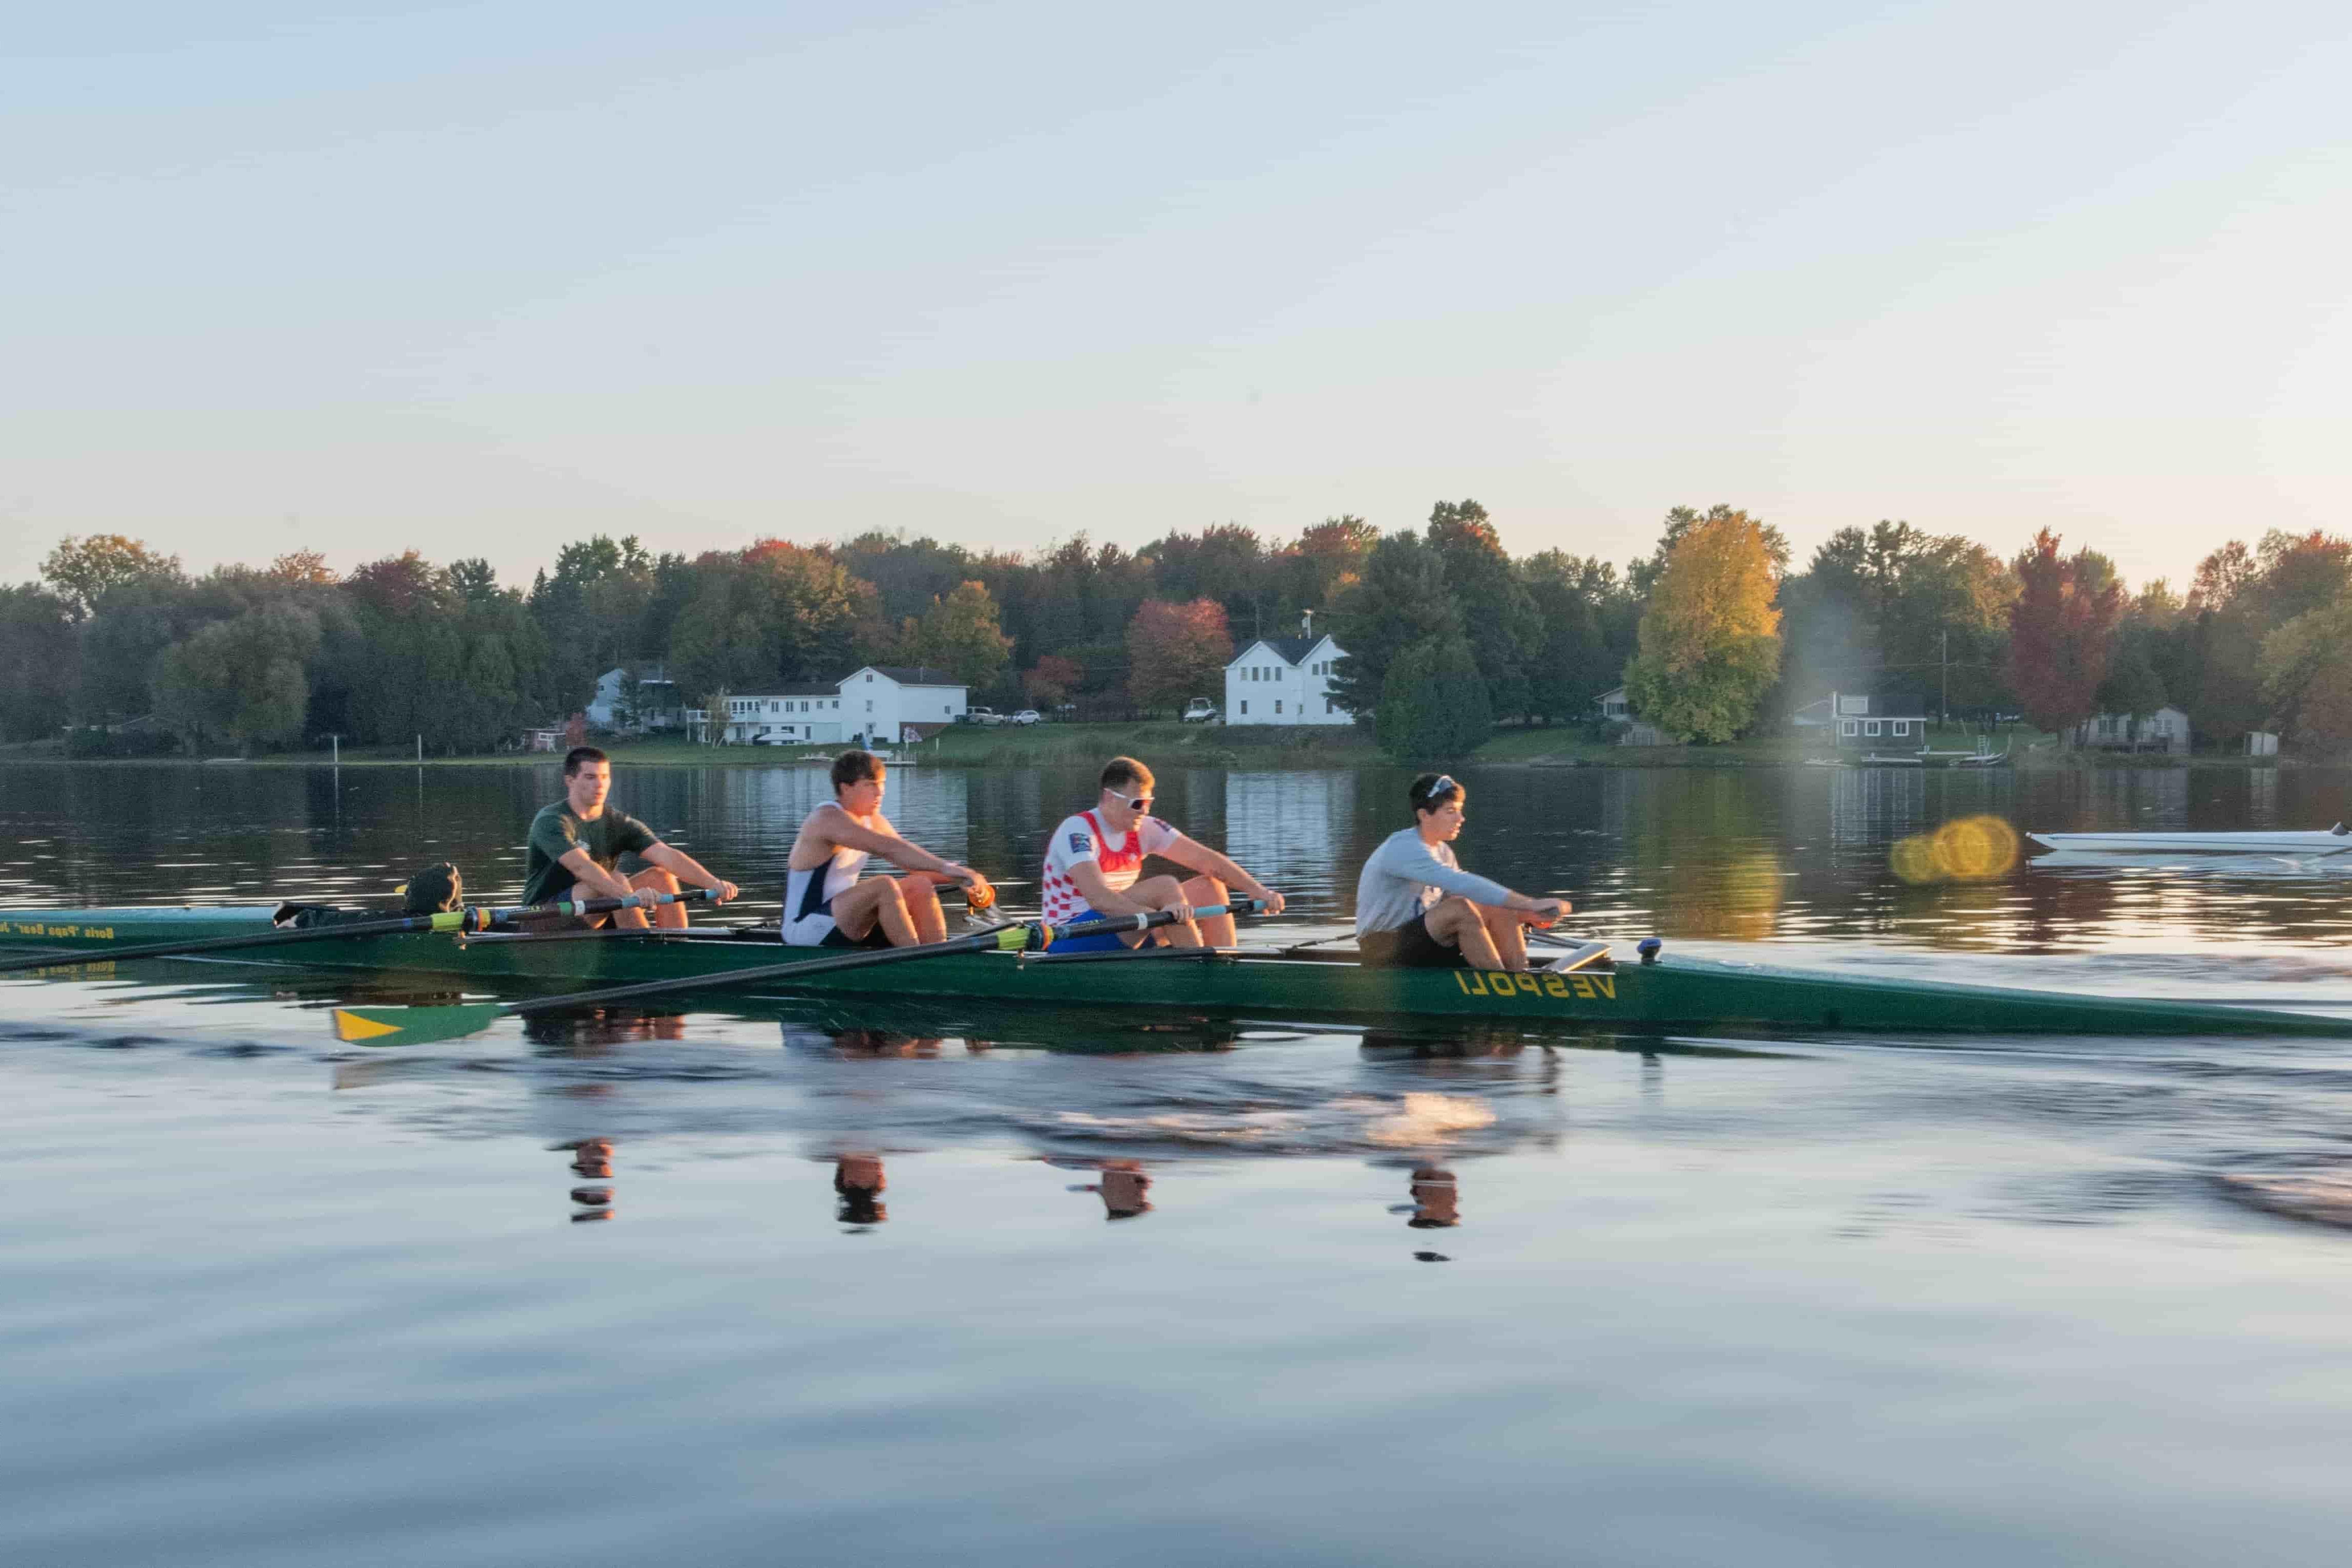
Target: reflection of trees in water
point(1264, 816)
point(1714, 853)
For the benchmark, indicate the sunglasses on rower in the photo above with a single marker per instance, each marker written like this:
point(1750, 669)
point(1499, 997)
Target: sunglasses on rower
point(1139, 803)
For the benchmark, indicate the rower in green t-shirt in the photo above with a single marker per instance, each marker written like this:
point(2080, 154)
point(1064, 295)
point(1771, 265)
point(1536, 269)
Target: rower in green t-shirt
point(576, 842)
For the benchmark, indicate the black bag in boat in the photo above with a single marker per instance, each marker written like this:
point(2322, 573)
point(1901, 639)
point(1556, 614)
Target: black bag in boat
point(435, 890)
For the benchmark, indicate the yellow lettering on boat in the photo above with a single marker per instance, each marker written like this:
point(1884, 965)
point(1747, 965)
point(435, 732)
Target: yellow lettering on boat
point(1461, 982)
point(1607, 983)
point(1584, 987)
point(1477, 983)
point(1527, 983)
point(1555, 986)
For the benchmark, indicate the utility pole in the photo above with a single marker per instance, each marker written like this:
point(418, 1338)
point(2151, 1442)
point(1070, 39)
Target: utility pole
point(1948, 677)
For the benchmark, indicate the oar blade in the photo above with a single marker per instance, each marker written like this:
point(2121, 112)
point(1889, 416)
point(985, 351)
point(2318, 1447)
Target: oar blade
point(413, 1025)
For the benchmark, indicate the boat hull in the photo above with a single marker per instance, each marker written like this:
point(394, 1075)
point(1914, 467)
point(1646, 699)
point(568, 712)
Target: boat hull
point(1674, 993)
point(2299, 844)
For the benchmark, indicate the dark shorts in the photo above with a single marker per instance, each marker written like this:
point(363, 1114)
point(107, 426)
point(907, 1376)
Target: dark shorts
point(1409, 946)
point(877, 937)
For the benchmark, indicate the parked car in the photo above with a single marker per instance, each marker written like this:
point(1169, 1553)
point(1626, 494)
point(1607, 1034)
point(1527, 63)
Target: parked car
point(983, 716)
point(1200, 710)
point(1026, 716)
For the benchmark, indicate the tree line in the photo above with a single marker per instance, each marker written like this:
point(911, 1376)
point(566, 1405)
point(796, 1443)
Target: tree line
point(1714, 634)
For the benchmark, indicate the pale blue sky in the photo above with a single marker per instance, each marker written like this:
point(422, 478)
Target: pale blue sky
point(480, 279)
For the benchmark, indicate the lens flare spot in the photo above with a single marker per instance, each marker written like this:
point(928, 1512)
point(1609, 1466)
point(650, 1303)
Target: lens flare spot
point(1967, 849)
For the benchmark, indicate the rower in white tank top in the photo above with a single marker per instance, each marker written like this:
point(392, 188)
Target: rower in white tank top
point(808, 895)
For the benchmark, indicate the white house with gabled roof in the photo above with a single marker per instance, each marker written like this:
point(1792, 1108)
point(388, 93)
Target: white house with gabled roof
point(892, 703)
point(1284, 681)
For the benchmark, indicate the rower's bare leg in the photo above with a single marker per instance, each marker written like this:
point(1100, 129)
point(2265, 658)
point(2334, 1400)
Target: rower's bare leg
point(920, 890)
point(1507, 931)
point(875, 899)
point(1161, 893)
point(1457, 921)
point(669, 917)
point(1216, 930)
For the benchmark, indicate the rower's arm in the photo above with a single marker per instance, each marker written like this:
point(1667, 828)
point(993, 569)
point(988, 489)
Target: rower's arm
point(851, 834)
point(1416, 865)
point(686, 869)
point(1196, 856)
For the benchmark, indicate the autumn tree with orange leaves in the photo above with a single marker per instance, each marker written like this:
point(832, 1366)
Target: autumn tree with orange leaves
point(2060, 630)
point(1176, 652)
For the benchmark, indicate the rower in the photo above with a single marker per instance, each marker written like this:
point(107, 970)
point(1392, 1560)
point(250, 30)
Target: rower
point(576, 842)
point(1093, 869)
point(824, 903)
point(1416, 908)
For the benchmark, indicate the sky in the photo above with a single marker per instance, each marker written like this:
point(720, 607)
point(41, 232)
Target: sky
point(479, 280)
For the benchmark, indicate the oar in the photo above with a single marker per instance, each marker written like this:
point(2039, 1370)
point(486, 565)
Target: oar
point(468, 919)
point(416, 1025)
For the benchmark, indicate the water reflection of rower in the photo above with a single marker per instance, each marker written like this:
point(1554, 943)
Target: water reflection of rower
point(1123, 1190)
point(858, 1181)
point(1436, 1199)
point(592, 1157)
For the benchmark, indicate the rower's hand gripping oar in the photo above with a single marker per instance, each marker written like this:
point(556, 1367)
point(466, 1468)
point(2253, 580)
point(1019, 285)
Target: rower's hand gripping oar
point(469, 919)
point(416, 1025)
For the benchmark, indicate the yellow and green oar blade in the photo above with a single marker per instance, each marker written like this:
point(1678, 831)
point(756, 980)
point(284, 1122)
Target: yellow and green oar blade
point(413, 1026)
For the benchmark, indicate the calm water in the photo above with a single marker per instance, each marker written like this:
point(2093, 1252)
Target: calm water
point(1107, 1293)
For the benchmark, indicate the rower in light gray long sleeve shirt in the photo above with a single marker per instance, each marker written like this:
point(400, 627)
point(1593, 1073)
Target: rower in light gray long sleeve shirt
point(1406, 875)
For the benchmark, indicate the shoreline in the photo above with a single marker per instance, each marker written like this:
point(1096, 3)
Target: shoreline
point(1171, 744)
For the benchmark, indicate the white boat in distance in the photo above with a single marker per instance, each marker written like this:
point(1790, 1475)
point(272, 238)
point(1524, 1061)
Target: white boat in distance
point(2334, 841)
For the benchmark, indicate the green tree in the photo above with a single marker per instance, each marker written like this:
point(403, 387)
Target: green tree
point(770, 613)
point(243, 680)
point(1493, 601)
point(1895, 598)
point(1227, 562)
point(1400, 600)
point(1710, 643)
point(961, 634)
point(1575, 600)
point(84, 570)
point(2306, 674)
point(39, 662)
point(1324, 561)
point(1434, 702)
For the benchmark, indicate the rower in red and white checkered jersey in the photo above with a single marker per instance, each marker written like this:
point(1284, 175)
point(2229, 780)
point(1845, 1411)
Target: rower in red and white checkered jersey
point(1094, 869)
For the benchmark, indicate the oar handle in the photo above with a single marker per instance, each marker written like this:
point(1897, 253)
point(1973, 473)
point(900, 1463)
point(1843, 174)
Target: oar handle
point(490, 920)
point(1112, 924)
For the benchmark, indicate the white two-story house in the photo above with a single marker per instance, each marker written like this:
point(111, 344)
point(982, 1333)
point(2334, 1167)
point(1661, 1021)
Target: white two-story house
point(795, 715)
point(888, 704)
point(1284, 681)
point(874, 705)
